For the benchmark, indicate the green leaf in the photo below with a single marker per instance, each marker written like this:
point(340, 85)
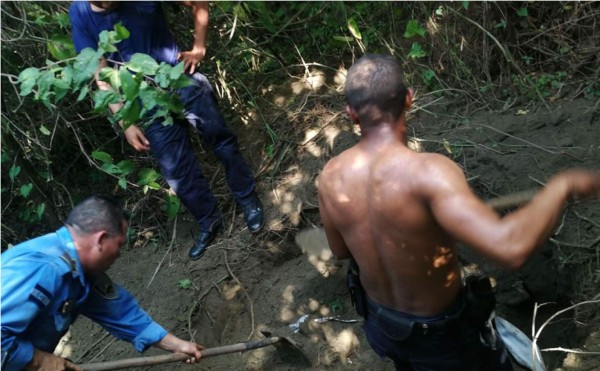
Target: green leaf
point(28, 78)
point(83, 93)
point(110, 75)
point(129, 113)
point(142, 63)
point(416, 51)
point(111, 168)
point(129, 85)
point(126, 166)
point(61, 47)
point(102, 156)
point(501, 24)
point(44, 130)
point(121, 31)
point(147, 175)
point(148, 95)
point(176, 71)
point(30, 73)
point(40, 210)
point(439, 11)
point(353, 27)
point(185, 283)
point(122, 183)
point(106, 40)
point(465, 5)
point(162, 75)
point(522, 12)
point(182, 82)
point(13, 172)
point(85, 66)
point(428, 76)
point(413, 28)
point(173, 206)
point(62, 19)
point(102, 98)
point(26, 189)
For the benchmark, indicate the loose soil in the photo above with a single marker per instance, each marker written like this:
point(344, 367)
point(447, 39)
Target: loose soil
point(246, 283)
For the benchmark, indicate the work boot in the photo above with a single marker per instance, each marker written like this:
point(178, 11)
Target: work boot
point(253, 213)
point(205, 239)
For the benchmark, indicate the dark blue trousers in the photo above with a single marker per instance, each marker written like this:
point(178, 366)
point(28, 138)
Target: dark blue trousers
point(173, 150)
point(412, 345)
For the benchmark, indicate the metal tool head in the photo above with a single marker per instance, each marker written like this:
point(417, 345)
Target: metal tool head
point(288, 351)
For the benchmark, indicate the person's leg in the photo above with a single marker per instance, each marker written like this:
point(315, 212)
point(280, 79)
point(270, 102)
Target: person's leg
point(386, 347)
point(202, 112)
point(172, 149)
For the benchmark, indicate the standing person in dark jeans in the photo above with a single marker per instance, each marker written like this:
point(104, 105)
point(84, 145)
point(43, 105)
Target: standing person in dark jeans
point(399, 215)
point(170, 144)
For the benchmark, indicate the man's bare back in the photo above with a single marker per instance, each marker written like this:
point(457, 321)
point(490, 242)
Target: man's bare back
point(375, 198)
point(399, 213)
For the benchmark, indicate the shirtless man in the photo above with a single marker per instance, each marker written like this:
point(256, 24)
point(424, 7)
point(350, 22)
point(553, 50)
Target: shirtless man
point(399, 214)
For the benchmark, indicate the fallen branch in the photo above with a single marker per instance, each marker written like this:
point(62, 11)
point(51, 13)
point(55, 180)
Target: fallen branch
point(166, 253)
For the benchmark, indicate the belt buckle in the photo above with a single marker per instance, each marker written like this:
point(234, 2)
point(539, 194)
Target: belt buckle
point(424, 328)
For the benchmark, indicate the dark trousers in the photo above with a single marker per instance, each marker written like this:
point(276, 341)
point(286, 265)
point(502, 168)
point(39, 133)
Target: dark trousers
point(444, 343)
point(173, 150)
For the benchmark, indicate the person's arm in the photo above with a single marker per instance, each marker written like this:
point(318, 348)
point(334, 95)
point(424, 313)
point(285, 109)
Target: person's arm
point(174, 344)
point(192, 58)
point(507, 240)
point(334, 237)
point(134, 135)
point(83, 38)
point(116, 310)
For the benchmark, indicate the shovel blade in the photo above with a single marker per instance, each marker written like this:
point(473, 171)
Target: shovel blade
point(289, 352)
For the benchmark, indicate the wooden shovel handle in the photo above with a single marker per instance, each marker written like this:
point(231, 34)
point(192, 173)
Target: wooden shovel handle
point(512, 200)
point(178, 357)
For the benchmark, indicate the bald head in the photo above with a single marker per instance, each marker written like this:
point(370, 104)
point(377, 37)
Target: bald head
point(376, 89)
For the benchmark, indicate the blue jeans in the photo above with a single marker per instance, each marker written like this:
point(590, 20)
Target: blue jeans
point(437, 347)
point(173, 150)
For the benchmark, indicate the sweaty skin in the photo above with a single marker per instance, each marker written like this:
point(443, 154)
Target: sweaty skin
point(399, 214)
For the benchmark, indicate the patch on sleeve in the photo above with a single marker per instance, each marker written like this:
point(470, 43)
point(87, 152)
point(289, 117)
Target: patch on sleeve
point(106, 288)
point(40, 296)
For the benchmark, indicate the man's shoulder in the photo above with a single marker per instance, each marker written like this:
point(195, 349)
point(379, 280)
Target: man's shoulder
point(79, 7)
point(46, 250)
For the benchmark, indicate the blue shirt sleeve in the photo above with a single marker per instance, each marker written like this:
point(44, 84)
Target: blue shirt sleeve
point(80, 33)
point(23, 297)
point(120, 314)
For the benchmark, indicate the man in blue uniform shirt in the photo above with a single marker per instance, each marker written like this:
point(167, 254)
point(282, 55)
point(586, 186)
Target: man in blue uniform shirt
point(149, 34)
point(49, 281)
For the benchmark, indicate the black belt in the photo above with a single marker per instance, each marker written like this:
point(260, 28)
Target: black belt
point(399, 326)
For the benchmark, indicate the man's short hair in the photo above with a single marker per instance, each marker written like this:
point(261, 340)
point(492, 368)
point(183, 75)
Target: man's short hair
point(97, 213)
point(376, 89)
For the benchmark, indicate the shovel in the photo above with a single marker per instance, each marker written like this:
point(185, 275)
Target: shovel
point(286, 348)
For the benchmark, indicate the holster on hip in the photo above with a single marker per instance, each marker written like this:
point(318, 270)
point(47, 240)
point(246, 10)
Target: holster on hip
point(357, 293)
point(480, 299)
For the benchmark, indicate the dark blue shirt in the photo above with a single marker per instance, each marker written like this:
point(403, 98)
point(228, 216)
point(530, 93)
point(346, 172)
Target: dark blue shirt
point(44, 290)
point(145, 20)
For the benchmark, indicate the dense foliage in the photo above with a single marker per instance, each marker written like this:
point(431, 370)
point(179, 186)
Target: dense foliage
point(57, 143)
